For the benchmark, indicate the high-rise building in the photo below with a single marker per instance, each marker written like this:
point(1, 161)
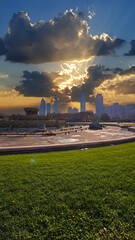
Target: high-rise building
point(70, 110)
point(130, 110)
point(116, 110)
point(48, 108)
point(82, 102)
point(99, 104)
point(42, 107)
point(75, 110)
point(55, 106)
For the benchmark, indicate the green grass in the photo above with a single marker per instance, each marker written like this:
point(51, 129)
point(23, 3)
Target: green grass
point(69, 195)
point(129, 124)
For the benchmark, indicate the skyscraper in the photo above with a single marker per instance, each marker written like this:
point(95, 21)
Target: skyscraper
point(82, 102)
point(48, 108)
point(42, 107)
point(70, 110)
point(75, 110)
point(115, 110)
point(55, 106)
point(99, 104)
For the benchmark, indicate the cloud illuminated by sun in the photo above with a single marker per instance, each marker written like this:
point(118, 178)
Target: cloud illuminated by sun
point(110, 96)
point(12, 99)
point(69, 76)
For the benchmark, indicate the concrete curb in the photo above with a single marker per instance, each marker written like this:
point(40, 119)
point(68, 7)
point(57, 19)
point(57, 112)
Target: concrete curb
point(62, 147)
point(131, 129)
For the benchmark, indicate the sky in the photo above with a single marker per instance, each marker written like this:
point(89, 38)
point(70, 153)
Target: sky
point(60, 48)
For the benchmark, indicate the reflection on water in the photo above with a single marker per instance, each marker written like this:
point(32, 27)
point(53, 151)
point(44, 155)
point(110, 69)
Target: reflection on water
point(68, 140)
point(75, 136)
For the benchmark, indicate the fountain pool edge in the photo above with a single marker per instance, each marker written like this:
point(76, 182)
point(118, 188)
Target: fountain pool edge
point(62, 147)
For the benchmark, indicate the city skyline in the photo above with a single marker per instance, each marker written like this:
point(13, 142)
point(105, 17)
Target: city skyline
point(114, 111)
point(62, 49)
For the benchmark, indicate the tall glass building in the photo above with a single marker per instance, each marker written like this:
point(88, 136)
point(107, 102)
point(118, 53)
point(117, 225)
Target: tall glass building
point(55, 106)
point(99, 104)
point(82, 102)
point(48, 108)
point(42, 107)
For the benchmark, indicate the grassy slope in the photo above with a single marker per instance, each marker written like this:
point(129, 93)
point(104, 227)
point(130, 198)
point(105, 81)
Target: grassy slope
point(69, 195)
point(129, 124)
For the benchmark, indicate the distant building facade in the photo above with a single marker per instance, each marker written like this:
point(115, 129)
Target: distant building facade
point(116, 110)
point(72, 110)
point(48, 108)
point(42, 109)
point(82, 102)
point(55, 106)
point(120, 111)
point(99, 104)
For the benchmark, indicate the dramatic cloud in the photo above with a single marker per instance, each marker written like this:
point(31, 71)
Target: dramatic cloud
point(96, 79)
point(122, 83)
point(120, 71)
point(36, 84)
point(64, 38)
point(129, 71)
point(95, 76)
point(132, 50)
point(124, 87)
point(116, 70)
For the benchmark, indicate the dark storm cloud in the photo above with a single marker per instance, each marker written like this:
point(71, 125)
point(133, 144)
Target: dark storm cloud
point(62, 96)
point(129, 71)
point(125, 87)
point(35, 84)
point(95, 76)
point(117, 70)
point(132, 50)
point(120, 71)
point(98, 74)
point(63, 38)
point(106, 46)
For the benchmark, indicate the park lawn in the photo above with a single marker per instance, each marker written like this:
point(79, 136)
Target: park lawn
point(129, 124)
point(78, 194)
